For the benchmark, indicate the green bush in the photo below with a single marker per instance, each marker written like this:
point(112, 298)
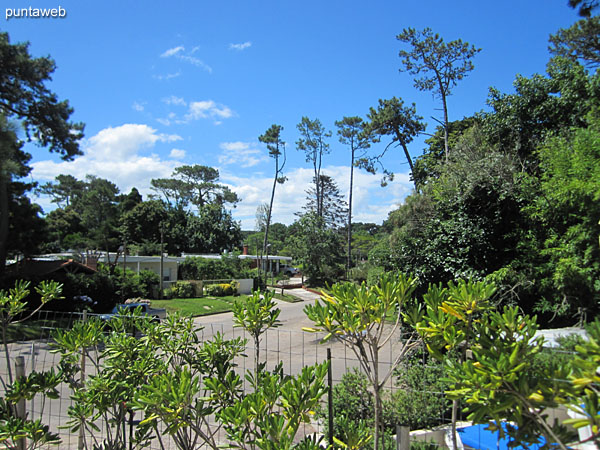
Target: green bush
point(352, 403)
point(214, 290)
point(183, 289)
point(374, 274)
point(149, 282)
point(222, 289)
point(194, 268)
point(359, 273)
point(168, 294)
point(420, 402)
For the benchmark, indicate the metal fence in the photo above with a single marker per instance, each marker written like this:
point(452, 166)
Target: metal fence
point(293, 349)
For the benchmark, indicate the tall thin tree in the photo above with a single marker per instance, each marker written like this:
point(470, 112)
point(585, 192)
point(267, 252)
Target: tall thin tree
point(438, 66)
point(351, 132)
point(313, 144)
point(276, 147)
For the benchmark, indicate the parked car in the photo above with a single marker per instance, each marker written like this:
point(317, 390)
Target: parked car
point(157, 314)
point(289, 270)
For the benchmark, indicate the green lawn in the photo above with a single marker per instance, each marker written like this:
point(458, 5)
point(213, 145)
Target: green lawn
point(197, 306)
point(285, 297)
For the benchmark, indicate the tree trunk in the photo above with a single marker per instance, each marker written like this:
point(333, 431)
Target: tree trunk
point(377, 393)
point(3, 222)
point(266, 239)
point(349, 259)
point(408, 158)
point(445, 125)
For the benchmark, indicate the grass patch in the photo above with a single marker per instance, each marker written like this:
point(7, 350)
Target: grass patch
point(197, 306)
point(285, 297)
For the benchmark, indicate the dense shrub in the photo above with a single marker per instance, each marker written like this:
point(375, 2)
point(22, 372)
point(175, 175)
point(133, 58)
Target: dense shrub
point(149, 282)
point(182, 289)
point(168, 294)
point(214, 269)
point(100, 287)
point(419, 402)
point(222, 289)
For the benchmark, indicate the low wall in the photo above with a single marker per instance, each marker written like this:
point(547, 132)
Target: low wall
point(246, 286)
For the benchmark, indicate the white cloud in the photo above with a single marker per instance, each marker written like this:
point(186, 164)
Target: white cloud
point(168, 76)
point(241, 153)
point(178, 52)
point(177, 153)
point(240, 47)
point(196, 62)
point(172, 51)
point(173, 100)
point(138, 106)
point(207, 109)
point(371, 202)
point(117, 154)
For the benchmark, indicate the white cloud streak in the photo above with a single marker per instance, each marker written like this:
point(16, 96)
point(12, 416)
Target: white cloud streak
point(207, 109)
point(179, 53)
point(177, 153)
point(172, 51)
point(240, 47)
point(242, 154)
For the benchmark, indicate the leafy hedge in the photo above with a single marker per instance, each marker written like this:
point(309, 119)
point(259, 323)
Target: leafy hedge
point(222, 289)
point(195, 268)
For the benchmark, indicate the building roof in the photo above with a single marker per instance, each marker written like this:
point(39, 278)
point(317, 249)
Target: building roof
point(43, 267)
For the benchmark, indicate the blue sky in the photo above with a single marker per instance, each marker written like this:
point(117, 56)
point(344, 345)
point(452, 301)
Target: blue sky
point(159, 84)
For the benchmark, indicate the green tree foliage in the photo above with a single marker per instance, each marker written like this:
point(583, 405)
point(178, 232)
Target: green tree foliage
point(15, 428)
point(142, 223)
point(357, 316)
point(98, 208)
point(182, 387)
point(438, 66)
point(519, 122)
point(270, 417)
point(194, 268)
point(212, 231)
point(505, 379)
point(25, 98)
point(89, 217)
point(317, 248)
point(333, 206)
point(580, 41)
point(401, 123)
point(256, 315)
point(566, 205)
point(585, 6)
point(278, 239)
point(194, 185)
point(448, 323)
point(64, 190)
point(429, 165)
point(465, 223)
point(313, 142)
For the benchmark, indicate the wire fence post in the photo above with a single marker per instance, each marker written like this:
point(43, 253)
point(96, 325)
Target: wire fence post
point(20, 406)
point(330, 395)
point(81, 440)
point(402, 437)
